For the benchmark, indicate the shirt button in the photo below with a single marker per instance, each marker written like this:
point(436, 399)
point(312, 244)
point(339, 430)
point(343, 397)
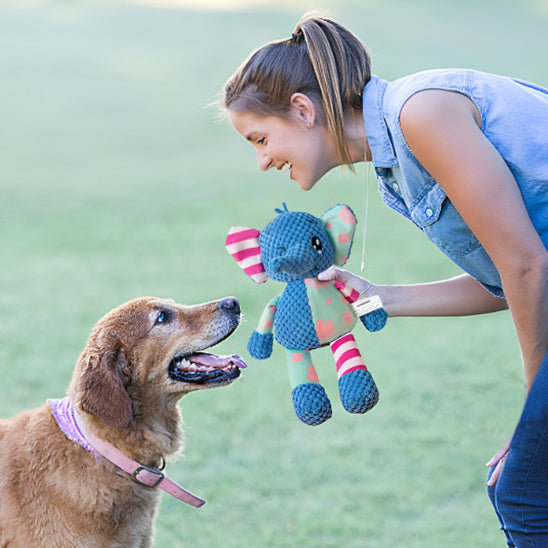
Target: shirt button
point(395, 186)
point(429, 212)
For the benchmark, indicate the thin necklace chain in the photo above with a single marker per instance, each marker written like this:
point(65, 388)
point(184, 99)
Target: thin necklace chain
point(365, 213)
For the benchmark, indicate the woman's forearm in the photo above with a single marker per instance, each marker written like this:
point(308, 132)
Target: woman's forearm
point(527, 291)
point(459, 296)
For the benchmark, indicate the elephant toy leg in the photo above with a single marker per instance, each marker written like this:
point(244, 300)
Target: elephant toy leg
point(357, 388)
point(309, 398)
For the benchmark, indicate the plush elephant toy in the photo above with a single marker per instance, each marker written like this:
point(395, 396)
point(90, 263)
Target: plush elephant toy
point(294, 248)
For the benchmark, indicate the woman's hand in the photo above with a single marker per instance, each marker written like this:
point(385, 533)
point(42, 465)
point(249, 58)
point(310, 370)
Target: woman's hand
point(497, 461)
point(361, 285)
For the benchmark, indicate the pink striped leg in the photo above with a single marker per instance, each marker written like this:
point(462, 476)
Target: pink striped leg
point(357, 388)
point(347, 355)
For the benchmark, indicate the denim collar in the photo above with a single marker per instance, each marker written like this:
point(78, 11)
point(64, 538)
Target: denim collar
point(375, 125)
point(380, 144)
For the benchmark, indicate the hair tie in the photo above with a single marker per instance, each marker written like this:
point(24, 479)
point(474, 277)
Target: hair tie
point(297, 36)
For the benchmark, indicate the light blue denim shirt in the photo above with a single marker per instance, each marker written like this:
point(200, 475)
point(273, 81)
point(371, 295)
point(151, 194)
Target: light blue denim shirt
point(514, 117)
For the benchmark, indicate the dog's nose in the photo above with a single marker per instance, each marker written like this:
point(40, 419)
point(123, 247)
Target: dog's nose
point(230, 304)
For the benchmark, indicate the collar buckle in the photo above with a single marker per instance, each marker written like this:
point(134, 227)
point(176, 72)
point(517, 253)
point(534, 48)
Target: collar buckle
point(149, 477)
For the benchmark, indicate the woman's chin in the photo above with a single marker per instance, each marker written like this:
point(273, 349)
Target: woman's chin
point(306, 185)
point(305, 182)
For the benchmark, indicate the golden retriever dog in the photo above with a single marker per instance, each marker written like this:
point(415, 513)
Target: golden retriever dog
point(59, 486)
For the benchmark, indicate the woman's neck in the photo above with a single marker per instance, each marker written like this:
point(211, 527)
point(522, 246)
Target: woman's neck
point(357, 139)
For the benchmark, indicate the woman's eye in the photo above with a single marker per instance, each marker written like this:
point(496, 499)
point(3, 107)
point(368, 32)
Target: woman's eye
point(316, 244)
point(261, 141)
point(163, 316)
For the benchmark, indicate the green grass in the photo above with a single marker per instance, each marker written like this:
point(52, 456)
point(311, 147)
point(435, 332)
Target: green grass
point(118, 182)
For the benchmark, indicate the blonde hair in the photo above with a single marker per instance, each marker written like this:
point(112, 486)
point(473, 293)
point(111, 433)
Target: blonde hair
point(322, 59)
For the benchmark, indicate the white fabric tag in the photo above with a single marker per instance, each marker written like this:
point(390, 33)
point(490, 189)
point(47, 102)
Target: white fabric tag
point(364, 305)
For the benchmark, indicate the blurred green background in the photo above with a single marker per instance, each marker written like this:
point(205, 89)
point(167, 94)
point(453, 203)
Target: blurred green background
point(117, 180)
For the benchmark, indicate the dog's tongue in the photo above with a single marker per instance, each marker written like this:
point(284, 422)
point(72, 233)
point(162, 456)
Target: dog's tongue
point(213, 360)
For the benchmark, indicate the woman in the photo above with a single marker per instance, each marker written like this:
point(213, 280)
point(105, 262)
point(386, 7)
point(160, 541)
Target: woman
point(463, 155)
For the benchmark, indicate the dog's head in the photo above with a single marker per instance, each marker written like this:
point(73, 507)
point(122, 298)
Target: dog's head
point(149, 351)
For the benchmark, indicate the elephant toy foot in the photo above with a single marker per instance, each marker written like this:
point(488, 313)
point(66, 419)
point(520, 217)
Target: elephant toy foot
point(358, 391)
point(311, 403)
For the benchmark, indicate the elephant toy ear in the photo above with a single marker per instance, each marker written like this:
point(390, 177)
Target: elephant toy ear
point(340, 224)
point(243, 244)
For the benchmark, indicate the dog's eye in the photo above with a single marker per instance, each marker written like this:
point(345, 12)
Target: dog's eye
point(163, 316)
point(316, 244)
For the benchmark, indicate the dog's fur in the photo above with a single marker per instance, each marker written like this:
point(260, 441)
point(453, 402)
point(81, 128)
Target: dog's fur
point(126, 386)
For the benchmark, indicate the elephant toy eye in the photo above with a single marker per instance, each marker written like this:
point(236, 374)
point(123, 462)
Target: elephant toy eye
point(316, 244)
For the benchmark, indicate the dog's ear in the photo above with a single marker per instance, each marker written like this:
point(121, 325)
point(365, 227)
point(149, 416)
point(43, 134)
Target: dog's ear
point(102, 391)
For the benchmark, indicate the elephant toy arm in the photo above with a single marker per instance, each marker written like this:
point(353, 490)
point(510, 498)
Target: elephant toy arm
point(368, 309)
point(261, 340)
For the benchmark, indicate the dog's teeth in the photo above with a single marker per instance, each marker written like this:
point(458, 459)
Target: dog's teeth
point(187, 365)
point(225, 363)
point(184, 363)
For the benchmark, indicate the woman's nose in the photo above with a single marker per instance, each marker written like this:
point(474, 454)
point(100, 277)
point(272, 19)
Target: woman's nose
point(263, 160)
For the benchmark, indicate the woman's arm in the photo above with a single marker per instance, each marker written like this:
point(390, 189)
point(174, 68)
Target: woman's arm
point(443, 131)
point(459, 296)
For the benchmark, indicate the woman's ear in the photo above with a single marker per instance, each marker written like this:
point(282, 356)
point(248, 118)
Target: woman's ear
point(303, 108)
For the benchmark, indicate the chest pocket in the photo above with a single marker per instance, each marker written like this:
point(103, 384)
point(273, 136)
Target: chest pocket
point(436, 216)
point(426, 209)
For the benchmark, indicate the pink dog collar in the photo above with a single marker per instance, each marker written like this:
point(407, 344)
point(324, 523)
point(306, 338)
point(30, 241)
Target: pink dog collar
point(73, 426)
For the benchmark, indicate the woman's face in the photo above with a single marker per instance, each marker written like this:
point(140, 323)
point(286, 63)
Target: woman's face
point(295, 144)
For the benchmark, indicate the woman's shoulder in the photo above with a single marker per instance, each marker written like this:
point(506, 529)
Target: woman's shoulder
point(444, 79)
point(483, 88)
point(467, 81)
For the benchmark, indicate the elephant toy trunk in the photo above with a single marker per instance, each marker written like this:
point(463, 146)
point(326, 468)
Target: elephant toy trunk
point(294, 264)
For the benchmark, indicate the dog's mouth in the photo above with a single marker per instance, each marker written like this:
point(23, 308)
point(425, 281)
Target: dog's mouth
point(205, 369)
